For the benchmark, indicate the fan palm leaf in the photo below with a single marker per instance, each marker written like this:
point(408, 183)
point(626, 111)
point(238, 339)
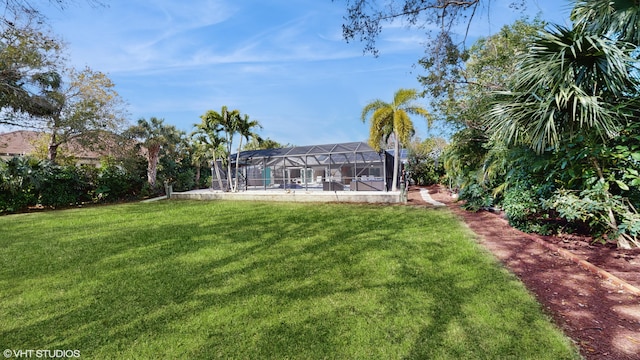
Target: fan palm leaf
point(569, 81)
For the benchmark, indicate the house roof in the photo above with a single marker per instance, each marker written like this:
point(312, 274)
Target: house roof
point(21, 142)
point(312, 154)
point(17, 142)
point(342, 148)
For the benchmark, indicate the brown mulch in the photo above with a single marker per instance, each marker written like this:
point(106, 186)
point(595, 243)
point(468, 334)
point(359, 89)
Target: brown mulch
point(599, 312)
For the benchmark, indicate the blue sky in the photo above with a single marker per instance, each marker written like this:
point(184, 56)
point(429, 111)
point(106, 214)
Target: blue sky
point(282, 62)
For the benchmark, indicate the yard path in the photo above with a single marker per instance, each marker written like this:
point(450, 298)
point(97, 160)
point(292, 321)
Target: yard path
point(601, 317)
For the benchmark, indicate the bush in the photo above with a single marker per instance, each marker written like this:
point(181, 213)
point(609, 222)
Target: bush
point(64, 186)
point(523, 205)
point(426, 172)
point(608, 216)
point(476, 197)
point(19, 182)
point(112, 183)
point(26, 182)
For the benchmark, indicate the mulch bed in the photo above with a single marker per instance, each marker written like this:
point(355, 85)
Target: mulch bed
point(569, 275)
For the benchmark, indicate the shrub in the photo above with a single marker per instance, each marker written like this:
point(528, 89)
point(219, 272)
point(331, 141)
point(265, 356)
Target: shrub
point(64, 186)
point(608, 216)
point(476, 197)
point(20, 178)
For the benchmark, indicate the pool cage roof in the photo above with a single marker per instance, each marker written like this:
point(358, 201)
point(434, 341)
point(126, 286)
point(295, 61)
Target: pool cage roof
point(311, 155)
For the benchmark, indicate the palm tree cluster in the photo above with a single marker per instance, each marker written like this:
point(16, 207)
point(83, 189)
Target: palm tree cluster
point(214, 137)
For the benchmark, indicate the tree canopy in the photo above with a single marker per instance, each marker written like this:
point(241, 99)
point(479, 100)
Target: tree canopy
point(30, 61)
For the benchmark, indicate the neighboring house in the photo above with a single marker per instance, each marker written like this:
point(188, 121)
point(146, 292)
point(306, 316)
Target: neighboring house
point(22, 142)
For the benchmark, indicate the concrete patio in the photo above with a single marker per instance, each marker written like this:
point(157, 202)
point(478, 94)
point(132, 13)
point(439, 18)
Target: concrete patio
point(294, 195)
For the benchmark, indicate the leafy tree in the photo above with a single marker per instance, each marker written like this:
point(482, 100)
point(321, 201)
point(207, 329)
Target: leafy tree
point(473, 158)
point(41, 150)
point(365, 18)
point(153, 136)
point(199, 155)
point(86, 107)
point(17, 8)
point(29, 71)
point(175, 166)
point(573, 96)
point(228, 122)
point(392, 119)
point(30, 60)
point(424, 161)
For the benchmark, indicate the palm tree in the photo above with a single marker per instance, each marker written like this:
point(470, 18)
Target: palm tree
point(618, 19)
point(153, 136)
point(199, 153)
point(208, 133)
point(245, 130)
point(228, 122)
point(570, 82)
point(392, 119)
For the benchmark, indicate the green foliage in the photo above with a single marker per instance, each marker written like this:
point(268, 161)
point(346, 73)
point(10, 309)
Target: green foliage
point(424, 163)
point(64, 186)
point(114, 182)
point(426, 172)
point(608, 216)
point(155, 137)
point(524, 210)
point(29, 61)
point(391, 119)
point(563, 119)
point(26, 182)
point(476, 197)
point(177, 172)
point(571, 81)
point(19, 180)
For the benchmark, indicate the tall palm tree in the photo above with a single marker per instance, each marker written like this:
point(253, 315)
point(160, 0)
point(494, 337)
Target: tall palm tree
point(228, 122)
point(245, 130)
point(153, 136)
point(208, 133)
point(392, 119)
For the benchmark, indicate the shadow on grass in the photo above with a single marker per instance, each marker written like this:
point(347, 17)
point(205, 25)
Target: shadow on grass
point(261, 280)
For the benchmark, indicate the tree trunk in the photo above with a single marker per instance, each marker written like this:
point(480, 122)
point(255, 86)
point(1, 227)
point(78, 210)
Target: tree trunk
point(52, 150)
point(220, 184)
point(229, 178)
point(198, 176)
point(396, 162)
point(235, 187)
point(217, 169)
point(152, 166)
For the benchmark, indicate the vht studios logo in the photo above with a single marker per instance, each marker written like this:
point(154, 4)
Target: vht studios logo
point(41, 354)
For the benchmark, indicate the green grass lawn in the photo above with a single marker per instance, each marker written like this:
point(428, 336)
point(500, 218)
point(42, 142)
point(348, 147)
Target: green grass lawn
point(247, 280)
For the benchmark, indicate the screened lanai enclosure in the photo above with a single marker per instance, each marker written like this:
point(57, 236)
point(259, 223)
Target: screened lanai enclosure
point(334, 167)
